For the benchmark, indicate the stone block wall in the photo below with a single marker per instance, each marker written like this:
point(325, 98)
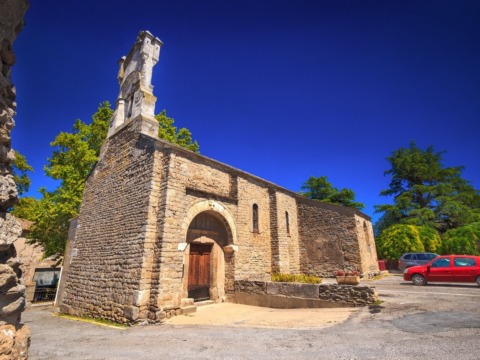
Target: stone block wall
point(348, 295)
point(254, 257)
point(296, 295)
point(139, 202)
point(288, 240)
point(108, 276)
point(367, 248)
point(190, 180)
point(328, 238)
point(168, 268)
point(148, 202)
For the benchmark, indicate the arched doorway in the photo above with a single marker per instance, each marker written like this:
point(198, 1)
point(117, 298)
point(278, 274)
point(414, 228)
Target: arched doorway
point(208, 273)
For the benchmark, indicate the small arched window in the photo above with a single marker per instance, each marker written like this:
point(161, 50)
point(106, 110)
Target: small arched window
point(255, 217)
point(287, 222)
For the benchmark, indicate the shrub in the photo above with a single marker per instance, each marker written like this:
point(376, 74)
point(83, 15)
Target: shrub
point(299, 278)
point(430, 238)
point(399, 239)
point(462, 240)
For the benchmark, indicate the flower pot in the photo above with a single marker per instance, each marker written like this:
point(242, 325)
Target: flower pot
point(348, 280)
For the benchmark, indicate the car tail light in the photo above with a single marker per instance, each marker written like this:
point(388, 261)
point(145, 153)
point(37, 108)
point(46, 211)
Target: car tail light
point(399, 263)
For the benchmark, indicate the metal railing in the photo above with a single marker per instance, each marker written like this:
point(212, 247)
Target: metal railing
point(44, 294)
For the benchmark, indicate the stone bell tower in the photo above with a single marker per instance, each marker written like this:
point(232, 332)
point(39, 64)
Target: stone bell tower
point(136, 101)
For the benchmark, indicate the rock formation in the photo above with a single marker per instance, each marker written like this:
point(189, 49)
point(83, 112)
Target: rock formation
point(14, 336)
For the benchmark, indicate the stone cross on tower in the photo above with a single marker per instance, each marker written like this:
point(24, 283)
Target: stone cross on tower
point(136, 100)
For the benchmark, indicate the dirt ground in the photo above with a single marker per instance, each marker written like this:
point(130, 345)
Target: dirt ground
point(227, 314)
point(438, 321)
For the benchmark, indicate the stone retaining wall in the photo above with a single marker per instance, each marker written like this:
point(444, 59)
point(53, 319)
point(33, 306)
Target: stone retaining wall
point(295, 295)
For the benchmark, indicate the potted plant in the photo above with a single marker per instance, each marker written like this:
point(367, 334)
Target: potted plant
point(348, 277)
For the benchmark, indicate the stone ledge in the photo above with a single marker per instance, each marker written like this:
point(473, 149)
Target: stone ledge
point(304, 291)
point(295, 295)
point(283, 302)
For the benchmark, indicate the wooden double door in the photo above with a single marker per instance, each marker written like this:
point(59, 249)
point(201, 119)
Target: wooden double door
point(199, 272)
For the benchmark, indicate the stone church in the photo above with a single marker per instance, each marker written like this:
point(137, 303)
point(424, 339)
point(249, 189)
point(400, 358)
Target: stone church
point(161, 227)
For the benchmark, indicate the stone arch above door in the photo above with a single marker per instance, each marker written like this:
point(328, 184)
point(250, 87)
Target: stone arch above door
point(216, 209)
point(209, 261)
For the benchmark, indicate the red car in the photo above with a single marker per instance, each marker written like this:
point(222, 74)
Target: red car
point(447, 268)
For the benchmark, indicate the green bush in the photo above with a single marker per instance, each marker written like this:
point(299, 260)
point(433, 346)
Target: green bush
point(299, 278)
point(430, 238)
point(398, 239)
point(462, 240)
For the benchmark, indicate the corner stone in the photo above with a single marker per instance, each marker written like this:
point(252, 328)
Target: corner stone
point(131, 313)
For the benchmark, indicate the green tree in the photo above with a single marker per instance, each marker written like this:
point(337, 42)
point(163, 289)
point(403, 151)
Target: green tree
point(75, 153)
point(73, 158)
point(399, 239)
point(462, 240)
point(50, 217)
point(25, 208)
point(20, 169)
point(169, 132)
point(430, 239)
point(426, 193)
point(319, 188)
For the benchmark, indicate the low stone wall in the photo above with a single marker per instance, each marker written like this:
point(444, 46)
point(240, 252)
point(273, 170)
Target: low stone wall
point(294, 295)
point(348, 294)
point(130, 314)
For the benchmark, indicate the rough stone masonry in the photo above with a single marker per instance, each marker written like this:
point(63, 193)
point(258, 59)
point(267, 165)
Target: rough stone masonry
point(14, 336)
point(161, 227)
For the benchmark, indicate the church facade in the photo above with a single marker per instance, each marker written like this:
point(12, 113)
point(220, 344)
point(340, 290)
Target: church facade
point(161, 227)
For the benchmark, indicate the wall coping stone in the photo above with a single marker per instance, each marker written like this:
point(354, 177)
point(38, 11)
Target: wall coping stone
point(297, 295)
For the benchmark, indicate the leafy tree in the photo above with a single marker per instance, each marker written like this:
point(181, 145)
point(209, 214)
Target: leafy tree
point(430, 239)
point(168, 131)
point(20, 169)
point(75, 153)
point(319, 188)
point(426, 193)
point(399, 239)
point(25, 208)
point(462, 240)
point(73, 158)
point(50, 216)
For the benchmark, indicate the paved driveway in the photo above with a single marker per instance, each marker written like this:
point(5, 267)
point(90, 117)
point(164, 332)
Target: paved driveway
point(432, 322)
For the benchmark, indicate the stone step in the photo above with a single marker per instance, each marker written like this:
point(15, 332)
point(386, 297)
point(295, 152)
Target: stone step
point(186, 310)
point(186, 302)
point(204, 302)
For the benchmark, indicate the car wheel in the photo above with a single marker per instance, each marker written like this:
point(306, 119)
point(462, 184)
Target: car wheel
point(478, 280)
point(420, 280)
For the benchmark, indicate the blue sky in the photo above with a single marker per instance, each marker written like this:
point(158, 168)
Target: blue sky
point(281, 89)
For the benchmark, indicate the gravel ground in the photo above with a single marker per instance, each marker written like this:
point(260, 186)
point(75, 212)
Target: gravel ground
point(439, 321)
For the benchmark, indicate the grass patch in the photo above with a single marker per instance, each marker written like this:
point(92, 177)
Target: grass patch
point(377, 277)
point(102, 322)
point(299, 278)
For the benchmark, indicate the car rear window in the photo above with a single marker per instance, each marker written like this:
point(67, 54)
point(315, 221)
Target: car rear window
point(407, 256)
point(460, 261)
